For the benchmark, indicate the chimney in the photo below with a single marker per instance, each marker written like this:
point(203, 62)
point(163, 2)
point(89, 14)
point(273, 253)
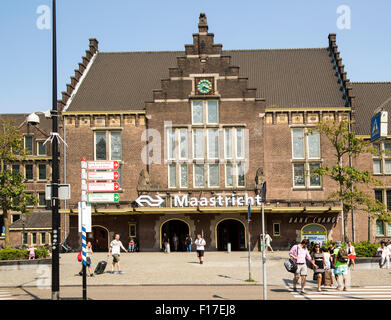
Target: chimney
point(93, 45)
point(203, 24)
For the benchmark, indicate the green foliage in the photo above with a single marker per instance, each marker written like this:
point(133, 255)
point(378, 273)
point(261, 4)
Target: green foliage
point(20, 254)
point(12, 254)
point(363, 248)
point(353, 183)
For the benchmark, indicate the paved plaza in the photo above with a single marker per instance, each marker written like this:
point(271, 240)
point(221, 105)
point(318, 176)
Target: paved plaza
point(157, 269)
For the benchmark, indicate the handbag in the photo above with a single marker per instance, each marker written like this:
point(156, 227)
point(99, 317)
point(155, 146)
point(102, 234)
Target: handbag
point(290, 265)
point(79, 258)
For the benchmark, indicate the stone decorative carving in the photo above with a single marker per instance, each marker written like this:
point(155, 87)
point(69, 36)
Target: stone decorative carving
point(259, 179)
point(143, 180)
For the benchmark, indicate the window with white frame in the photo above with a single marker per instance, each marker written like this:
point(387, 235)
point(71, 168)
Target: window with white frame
point(306, 158)
point(198, 144)
point(41, 148)
point(214, 175)
point(108, 145)
point(28, 144)
point(382, 227)
point(199, 175)
point(205, 111)
point(382, 159)
point(184, 179)
point(213, 143)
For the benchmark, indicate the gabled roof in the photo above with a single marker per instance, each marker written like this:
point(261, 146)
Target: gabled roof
point(37, 219)
point(369, 96)
point(18, 119)
point(284, 77)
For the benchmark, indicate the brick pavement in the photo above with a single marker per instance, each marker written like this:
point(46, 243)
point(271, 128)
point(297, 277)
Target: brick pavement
point(147, 268)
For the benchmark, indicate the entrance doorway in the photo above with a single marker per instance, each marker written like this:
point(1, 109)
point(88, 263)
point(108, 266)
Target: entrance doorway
point(100, 239)
point(176, 228)
point(230, 230)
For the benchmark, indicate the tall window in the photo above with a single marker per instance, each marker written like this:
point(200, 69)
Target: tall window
point(42, 201)
point(306, 158)
point(213, 143)
point(41, 148)
point(28, 144)
point(108, 145)
point(384, 196)
point(42, 172)
point(198, 144)
point(382, 160)
point(199, 175)
point(214, 175)
point(29, 175)
point(172, 175)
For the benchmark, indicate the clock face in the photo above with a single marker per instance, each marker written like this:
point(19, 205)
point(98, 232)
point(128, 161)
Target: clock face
point(204, 86)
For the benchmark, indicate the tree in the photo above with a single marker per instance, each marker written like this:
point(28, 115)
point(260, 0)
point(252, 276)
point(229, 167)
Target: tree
point(12, 195)
point(353, 183)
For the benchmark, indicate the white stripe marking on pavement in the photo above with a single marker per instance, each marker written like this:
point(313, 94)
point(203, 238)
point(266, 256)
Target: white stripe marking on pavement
point(347, 296)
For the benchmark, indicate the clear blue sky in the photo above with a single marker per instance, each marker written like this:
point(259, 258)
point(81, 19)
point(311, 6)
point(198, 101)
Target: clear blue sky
point(128, 25)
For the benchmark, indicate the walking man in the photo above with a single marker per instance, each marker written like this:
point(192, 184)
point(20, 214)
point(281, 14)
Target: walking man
point(268, 239)
point(300, 254)
point(115, 250)
point(340, 262)
point(200, 243)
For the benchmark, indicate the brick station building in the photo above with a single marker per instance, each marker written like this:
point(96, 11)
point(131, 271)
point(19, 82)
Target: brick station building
point(35, 226)
point(219, 123)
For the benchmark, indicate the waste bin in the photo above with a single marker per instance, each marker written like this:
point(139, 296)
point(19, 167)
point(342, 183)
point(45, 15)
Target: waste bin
point(229, 247)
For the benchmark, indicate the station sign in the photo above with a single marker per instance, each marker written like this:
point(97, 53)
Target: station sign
point(102, 186)
point(379, 124)
point(102, 197)
point(102, 175)
point(102, 165)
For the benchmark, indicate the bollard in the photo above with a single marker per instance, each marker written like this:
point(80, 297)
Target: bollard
point(228, 247)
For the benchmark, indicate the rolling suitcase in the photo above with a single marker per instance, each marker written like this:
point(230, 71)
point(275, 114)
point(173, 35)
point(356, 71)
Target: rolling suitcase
point(100, 267)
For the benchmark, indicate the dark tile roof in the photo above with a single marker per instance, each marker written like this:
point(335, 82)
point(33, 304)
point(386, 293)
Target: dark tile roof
point(18, 118)
point(36, 219)
point(369, 96)
point(284, 77)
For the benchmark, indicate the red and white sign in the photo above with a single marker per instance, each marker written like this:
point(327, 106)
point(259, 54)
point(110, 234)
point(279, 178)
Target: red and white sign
point(102, 165)
point(104, 186)
point(102, 175)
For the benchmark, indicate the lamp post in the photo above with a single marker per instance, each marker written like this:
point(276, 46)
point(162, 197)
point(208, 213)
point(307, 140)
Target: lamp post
point(55, 170)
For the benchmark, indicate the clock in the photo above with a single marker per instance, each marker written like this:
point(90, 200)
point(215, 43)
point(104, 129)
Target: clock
point(204, 86)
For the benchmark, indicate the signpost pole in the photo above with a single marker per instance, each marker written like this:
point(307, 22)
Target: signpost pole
point(264, 253)
point(83, 227)
point(248, 242)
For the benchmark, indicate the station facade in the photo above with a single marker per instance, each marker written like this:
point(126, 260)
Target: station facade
point(200, 130)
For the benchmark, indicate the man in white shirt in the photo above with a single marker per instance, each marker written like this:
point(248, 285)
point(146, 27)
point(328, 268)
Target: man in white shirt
point(200, 243)
point(115, 250)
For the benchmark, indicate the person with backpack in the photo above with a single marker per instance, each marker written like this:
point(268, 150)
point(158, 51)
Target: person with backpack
point(188, 243)
point(340, 264)
point(299, 253)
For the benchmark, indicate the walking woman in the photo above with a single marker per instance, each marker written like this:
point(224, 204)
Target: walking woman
point(351, 254)
point(319, 259)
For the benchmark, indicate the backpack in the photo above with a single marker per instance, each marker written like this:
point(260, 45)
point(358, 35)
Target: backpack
point(342, 255)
